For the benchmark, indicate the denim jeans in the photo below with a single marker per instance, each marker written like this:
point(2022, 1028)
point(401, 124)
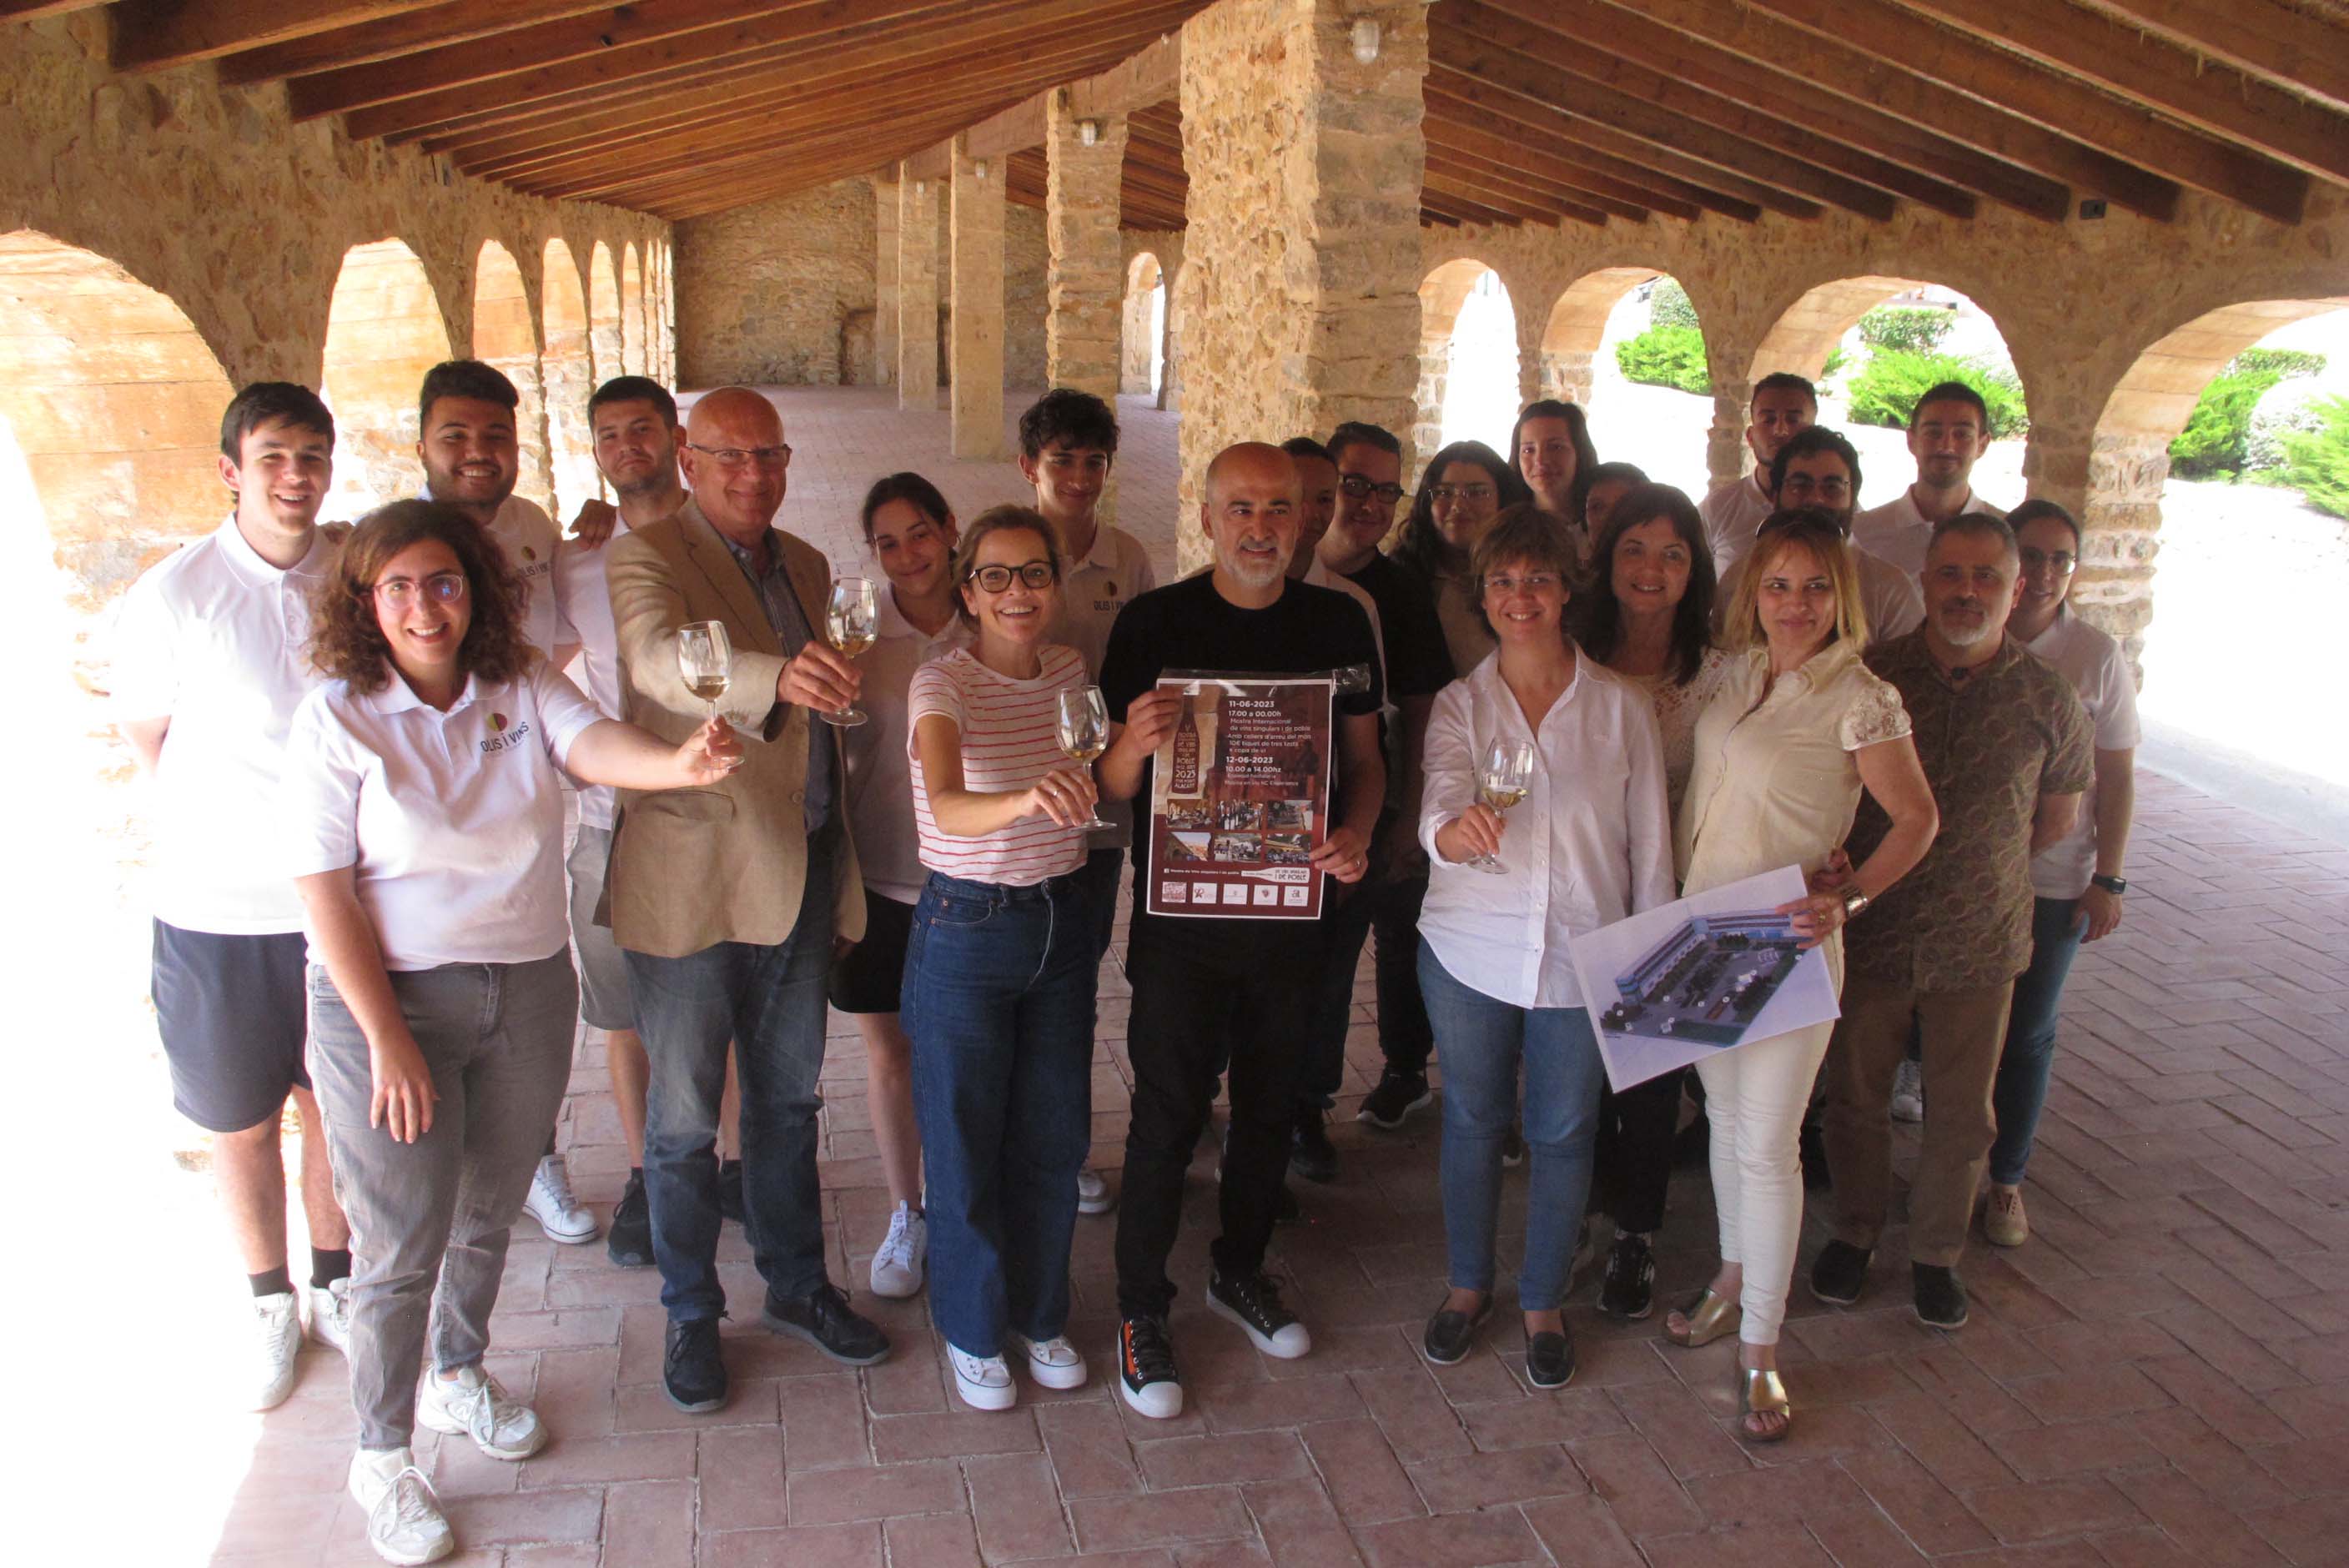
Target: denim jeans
point(999, 1000)
point(1385, 912)
point(1479, 1041)
point(769, 1001)
point(430, 1219)
point(2020, 1091)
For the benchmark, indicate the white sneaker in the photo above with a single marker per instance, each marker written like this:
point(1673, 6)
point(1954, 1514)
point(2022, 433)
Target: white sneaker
point(898, 1265)
point(550, 1202)
point(1908, 1092)
point(277, 1321)
point(1053, 1363)
point(330, 1316)
point(404, 1520)
point(983, 1381)
point(477, 1406)
point(1092, 1193)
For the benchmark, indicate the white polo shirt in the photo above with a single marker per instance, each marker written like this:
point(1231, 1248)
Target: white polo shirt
point(880, 774)
point(1114, 572)
point(217, 640)
point(2092, 662)
point(1899, 533)
point(452, 822)
point(584, 602)
point(531, 544)
point(1733, 513)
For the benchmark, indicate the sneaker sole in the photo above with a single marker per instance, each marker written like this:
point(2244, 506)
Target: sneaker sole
point(629, 1260)
point(1256, 1337)
point(774, 1325)
point(1059, 1379)
point(1101, 1205)
point(990, 1400)
point(1126, 1392)
point(433, 1554)
point(885, 1293)
point(1422, 1103)
point(569, 1238)
point(694, 1406)
point(433, 1420)
point(1956, 1323)
point(1820, 1295)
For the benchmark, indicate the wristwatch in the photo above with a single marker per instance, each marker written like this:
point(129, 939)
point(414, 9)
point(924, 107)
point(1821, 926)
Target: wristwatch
point(1854, 901)
point(2115, 885)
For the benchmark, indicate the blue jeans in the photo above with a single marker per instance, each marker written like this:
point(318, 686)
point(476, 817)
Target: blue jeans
point(1478, 1043)
point(998, 1001)
point(769, 1001)
point(2020, 1092)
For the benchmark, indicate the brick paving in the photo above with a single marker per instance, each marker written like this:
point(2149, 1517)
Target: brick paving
point(2160, 1375)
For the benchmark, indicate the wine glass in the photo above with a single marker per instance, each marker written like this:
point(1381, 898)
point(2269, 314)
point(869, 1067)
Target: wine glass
point(1503, 777)
point(1084, 733)
point(852, 618)
point(705, 657)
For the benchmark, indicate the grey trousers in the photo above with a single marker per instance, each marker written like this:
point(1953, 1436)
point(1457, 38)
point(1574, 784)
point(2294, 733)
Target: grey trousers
point(430, 1219)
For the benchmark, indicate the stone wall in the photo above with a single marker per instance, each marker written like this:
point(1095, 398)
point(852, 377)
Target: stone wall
point(764, 293)
point(1026, 257)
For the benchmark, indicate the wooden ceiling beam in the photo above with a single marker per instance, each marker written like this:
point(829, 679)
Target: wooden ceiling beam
point(1481, 130)
point(1507, 179)
point(1467, 140)
point(1522, 209)
point(1958, 60)
point(1853, 75)
point(156, 34)
point(742, 179)
point(2287, 45)
point(2213, 96)
point(447, 22)
point(1468, 210)
point(34, 10)
point(1152, 75)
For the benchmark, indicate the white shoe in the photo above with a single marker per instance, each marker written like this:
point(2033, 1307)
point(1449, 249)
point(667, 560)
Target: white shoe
point(1092, 1193)
point(330, 1316)
point(475, 1405)
point(278, 1323)
point(898, 1265)
point(983, 1381)
point(1053, 1363)
point(405, 1523)
point(1908, 1092)
point(550, 1202)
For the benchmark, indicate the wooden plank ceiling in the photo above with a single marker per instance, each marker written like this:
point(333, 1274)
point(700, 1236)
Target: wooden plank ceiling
point(1543, 111)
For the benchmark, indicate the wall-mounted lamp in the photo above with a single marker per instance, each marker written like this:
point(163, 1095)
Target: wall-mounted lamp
point(1366, 39)
point(979, 170)
point(1089, 132)
point(921, 187)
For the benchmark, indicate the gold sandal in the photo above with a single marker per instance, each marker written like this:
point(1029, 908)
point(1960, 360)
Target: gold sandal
point(1709, 1317)
point(1763, 1393)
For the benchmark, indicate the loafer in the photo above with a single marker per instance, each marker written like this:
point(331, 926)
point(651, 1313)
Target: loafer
point(1840, 1273)
point(1550, 1360)
point(1940, 1296)
point(1450, 1335)
point(824, 1319)
point(2005, 1220)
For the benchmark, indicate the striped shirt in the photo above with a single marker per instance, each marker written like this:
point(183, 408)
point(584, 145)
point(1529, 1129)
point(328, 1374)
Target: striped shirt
point(1011, 739)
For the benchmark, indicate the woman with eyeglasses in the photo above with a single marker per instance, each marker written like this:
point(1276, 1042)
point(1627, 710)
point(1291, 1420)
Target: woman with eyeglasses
point(1459, 495)
point(1000, 967)
point(423, 796)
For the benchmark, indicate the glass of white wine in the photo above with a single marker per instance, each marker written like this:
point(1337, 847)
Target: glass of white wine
point(705, 657)
point(1084, 732)
point(1503, 777)
point(852, 618)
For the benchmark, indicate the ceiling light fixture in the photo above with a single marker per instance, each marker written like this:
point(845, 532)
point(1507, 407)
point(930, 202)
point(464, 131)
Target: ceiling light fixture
point(1089, 132)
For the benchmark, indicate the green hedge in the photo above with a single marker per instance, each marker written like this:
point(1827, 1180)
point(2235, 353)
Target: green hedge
point(1666, 356)
point(1885, 391)
point(2318, 464)
point(1906, 329)
point(2286, 363)
point(2218, 433)
point(1669, 305)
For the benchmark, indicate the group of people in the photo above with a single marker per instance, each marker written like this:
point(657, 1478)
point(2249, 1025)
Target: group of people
point(360, 738)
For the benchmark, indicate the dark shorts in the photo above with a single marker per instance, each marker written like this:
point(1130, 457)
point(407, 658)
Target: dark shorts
point(868, 978)
point(235, 1015)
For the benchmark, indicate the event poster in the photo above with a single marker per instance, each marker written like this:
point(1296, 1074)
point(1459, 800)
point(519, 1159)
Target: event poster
point(1707, 973)
point(1239, 797)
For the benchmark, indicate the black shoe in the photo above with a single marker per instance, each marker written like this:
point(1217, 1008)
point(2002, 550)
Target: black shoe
point(1252, 1300)
point(629, 1239)
point(1147, 1378)
point(693, 1375)
point(1311, 1153)
point(1451, 1335)
point(730, 1190)
point(1628, 1290)
point(1940, 1296)
point(1549, 1359)
point(1840, 1273)
point(1813, 1146)
point(1395, 1097)
point(824, 1319)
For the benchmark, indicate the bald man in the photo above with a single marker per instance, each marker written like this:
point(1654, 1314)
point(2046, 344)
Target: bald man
point(1200, 982)
point(726, 900)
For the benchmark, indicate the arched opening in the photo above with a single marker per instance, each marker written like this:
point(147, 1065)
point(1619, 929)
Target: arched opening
point(1467, 358)
point(570, 376)
point(604, 331)
point(384, 331)
point(632, 311)
point(1626, 344)
point(1142, 332)
point(2198, 411)
point(1170, 374)
point(504, 335)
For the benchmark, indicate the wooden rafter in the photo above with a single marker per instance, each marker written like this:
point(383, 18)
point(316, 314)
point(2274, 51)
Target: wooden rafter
point(2281, 43)
point(449, 22)
point(1567, 175)
point(1507, 179)
point(33, 10)
point(154, 34)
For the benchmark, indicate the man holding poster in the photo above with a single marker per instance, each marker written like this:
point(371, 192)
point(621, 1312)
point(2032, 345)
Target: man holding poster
point(1200, 982)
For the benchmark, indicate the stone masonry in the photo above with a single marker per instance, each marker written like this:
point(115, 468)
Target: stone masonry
point(1087, 279)
point(918, 293)
point(884, 282)
point(978, 294)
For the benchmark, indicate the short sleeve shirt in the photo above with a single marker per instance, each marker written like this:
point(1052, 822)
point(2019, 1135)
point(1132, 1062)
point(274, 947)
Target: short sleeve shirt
point(531, 543)
point(1898, 531)
point(1992, 745)
point(1418, 662)
point(1732, 514)
point(584, 601)
point(1011, 738)
point(880, 789)
point(2099, 674)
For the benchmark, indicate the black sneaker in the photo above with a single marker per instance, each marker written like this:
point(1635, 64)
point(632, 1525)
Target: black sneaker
point(1147, 1378)
point(629, 1239)
point(1840, 1273)
point(824, 1319)
point(730, 1190)
point(1451, 1335)
point(693, 1375)
point(1549, 1359)
point(1252, 1300)
point(1311, 1153)
point(1628, 1289)
point(1396, 1097)
point(1940, 1296)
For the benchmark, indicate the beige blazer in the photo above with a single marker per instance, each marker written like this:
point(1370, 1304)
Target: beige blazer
point(692, 868)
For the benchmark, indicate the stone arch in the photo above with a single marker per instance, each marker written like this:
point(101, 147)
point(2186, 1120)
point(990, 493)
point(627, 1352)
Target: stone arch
point(604, 332)
point(569, 373)
point(506, 336)
point(1577, 323)
point(632, 311)
point(1141, 331)
point(384, 331)
point(1444, 296)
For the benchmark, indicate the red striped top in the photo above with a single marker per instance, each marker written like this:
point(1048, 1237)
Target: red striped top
point(1011, 739)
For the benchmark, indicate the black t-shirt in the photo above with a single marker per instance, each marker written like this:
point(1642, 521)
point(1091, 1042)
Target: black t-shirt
point(1419, 663)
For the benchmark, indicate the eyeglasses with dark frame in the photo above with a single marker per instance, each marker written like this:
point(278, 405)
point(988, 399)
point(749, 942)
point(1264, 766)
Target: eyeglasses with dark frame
point(1358, 487)
point(735, 457)
point(2064, 562)
point(995, 579)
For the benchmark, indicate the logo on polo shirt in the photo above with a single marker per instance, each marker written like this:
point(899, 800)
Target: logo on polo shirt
point(499, 740)
point(528, 553)
point(499, 721)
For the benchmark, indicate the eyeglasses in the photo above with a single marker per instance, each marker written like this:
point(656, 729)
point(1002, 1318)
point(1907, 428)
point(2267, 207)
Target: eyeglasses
point(1445, 495)
point(441, 588)
point(1804, 484)
point(1532, 581)
point(2062, 563)
point(736, 457)
point(1357, 488)
point(995, 579)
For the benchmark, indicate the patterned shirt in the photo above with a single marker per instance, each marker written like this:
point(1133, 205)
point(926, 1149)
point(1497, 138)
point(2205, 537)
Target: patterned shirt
point(1992, 745)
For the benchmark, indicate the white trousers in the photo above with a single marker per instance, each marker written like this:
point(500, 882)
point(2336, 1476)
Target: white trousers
point(1756, 1097)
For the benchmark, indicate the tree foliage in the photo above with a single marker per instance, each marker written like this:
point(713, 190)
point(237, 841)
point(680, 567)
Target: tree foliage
point(2317, 464)
point(1885, 391)
point(1906, 328)
point(1666, 356)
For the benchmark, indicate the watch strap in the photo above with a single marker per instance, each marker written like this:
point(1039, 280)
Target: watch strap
point(2110, 884)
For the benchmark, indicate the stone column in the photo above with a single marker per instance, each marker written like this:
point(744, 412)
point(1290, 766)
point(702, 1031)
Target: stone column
point(1087, 286)
point(977, 305)
point(917, 294)
point(1303, 238)
point(885, 283)
point(2120, 530)
point(1568, 375)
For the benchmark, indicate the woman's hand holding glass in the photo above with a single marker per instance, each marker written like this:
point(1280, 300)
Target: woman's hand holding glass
point(1066, 795)
point(709, 754)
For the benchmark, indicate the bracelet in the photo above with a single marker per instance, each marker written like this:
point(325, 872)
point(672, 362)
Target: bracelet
point(1854, 901)
point(2114, 885)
